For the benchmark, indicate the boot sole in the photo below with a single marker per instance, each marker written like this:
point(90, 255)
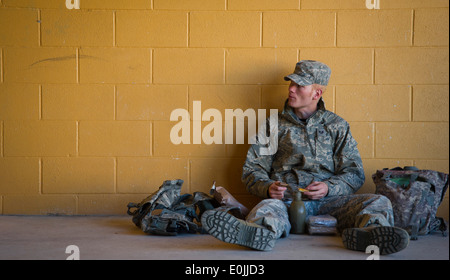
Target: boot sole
point(228, 228)
point(388, 239)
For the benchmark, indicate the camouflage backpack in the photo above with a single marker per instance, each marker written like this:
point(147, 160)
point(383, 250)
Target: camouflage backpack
point(415, 196)
point(166, 212)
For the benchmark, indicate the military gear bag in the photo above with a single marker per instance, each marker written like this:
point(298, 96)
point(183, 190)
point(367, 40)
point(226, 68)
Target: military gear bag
point(166, 212)
point(415, 196)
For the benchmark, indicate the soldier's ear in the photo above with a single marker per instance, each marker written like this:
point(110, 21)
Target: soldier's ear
point(317, 93)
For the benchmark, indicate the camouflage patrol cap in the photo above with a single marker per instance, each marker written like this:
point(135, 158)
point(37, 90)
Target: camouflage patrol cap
point(308, 72)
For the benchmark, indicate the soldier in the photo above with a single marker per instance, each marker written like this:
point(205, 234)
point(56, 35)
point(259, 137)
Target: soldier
point(316, 151)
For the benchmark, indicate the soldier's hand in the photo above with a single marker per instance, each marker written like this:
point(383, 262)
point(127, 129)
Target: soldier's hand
point(276, 190)
point(316, 190)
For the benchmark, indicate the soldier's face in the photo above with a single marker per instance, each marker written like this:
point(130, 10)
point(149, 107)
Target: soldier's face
point(301, 96)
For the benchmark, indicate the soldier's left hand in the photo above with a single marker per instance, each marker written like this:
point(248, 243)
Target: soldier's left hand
point(316, 190)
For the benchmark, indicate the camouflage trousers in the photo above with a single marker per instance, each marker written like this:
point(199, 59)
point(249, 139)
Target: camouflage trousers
point(357, 210)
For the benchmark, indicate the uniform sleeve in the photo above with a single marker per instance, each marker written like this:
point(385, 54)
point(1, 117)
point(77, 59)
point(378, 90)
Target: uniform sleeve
point(349, 173)
point(256, 170)
point(258, 164)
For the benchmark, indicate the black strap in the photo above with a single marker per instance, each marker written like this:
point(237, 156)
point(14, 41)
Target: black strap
point(439, 224)
point(132, 205)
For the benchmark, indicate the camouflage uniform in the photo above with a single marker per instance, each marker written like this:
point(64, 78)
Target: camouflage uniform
point(319, 149)
point(351, 211)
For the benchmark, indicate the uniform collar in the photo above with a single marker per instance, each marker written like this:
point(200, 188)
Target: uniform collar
point(289, 113)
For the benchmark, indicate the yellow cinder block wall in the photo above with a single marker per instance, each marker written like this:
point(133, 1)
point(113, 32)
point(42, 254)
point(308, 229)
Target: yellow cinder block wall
point(86, 95)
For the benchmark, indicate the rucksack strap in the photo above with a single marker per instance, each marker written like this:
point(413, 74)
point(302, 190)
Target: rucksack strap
point(398, 168)
point(169, 222)
point(130, 206)
point(439, 224)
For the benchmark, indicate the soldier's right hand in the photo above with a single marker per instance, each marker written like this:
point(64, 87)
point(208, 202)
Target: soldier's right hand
point(276, 190)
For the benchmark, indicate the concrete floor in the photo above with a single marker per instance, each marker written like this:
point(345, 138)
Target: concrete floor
point(116, 237)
